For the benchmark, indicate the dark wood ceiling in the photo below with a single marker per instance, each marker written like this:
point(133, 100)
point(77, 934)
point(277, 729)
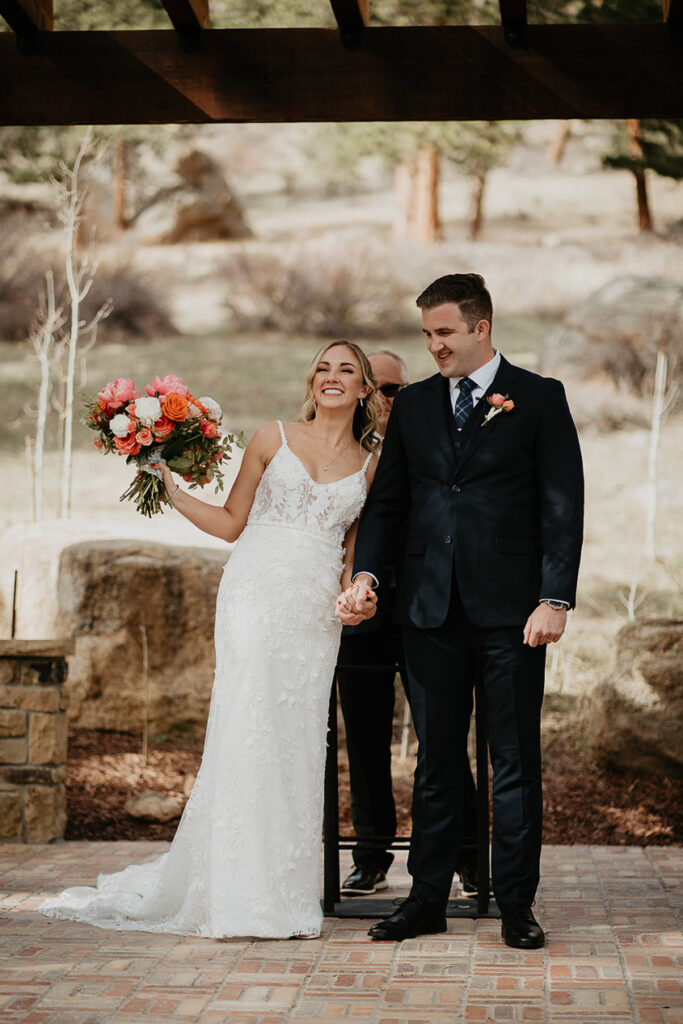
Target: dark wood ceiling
point(191, 73)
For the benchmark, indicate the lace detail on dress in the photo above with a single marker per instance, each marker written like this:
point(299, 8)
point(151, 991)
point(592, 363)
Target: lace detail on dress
point(246, 857)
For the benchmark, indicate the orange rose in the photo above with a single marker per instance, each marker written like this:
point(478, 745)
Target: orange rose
point(508, 405)
point(163, 427)
point(175, 406)
point(127, 445)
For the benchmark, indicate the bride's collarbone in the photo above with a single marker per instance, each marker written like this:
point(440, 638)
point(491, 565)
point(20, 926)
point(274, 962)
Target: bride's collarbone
point(322, 462)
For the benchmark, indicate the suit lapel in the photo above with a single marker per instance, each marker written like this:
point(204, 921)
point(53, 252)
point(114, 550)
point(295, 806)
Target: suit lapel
point(437, 402)
point(478, 433)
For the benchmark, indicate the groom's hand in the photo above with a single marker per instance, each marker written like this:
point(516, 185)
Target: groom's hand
point(545, 625)
point(357, 603)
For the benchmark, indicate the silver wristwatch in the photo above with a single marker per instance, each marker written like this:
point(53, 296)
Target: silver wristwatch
point(557, 605)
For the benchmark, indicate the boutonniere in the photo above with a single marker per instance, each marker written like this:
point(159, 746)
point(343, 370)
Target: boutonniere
point(498, 403)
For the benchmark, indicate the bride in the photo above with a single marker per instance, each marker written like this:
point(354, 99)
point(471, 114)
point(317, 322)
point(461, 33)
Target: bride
point(245, 860)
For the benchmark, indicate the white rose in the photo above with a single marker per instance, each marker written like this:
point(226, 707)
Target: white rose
point(147, 410)
point(120, 425)
point(212, 407)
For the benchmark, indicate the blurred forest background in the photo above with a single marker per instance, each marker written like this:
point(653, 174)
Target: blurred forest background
point(229, 253)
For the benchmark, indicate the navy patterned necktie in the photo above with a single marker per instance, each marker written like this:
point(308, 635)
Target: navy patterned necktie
point(463, 403)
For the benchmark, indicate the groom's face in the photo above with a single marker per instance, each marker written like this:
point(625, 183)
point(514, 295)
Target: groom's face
point(456, 349)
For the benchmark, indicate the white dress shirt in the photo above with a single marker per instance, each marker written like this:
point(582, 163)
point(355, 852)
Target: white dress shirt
point(483, 379)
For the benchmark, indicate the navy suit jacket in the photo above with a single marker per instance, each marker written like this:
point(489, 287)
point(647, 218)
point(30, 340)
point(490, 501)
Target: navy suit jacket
point(496, 510)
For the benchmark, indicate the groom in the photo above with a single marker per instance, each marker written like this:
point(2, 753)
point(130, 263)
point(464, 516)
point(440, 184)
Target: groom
point(482, 460)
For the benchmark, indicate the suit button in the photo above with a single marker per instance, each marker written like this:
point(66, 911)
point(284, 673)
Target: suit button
point(456, 488)
point(448, 540)
point(456, 445)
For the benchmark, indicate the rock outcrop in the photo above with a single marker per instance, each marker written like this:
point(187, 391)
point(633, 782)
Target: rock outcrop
point(637, 715)
point(128, 602)
point(616, 334)
point(197, 206)
point(152, 806)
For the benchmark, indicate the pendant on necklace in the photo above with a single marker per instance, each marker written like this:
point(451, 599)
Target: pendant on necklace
point(324, 469)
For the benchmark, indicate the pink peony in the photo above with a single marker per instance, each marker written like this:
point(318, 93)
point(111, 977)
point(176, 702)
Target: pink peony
point(144, 436)
point(117, 393)
point(166, 385)
point(127, 445)
point(208, 428)
point(496, 400)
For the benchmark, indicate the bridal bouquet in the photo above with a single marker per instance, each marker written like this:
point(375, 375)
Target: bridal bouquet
point(166, 423)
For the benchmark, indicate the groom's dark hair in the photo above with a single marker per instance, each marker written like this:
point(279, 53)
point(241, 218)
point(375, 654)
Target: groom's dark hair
point(468, 291)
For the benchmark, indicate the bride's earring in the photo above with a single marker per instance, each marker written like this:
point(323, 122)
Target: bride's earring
point(362, 403)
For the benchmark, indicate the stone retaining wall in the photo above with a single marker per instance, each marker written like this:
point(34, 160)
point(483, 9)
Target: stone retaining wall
point(33, 739)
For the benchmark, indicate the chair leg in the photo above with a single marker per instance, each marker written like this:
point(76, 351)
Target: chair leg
point(331, 890)
point(483, 867)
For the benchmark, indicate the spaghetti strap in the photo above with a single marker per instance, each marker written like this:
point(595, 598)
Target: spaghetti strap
point(367, 462)
point(282, 432)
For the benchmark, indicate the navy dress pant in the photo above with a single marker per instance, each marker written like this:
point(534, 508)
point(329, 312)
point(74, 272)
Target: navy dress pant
point(442, 665)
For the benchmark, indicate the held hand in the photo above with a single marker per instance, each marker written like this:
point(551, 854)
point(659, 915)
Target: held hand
point(545, 625)
point(356, 604)
point(166, 475)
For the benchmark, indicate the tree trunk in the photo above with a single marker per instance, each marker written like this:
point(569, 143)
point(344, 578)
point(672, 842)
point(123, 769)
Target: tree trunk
point(404, 186)
point(120, 174)
point(636, 149)
point(556, 151)
point(426, 197)
point(476, 216)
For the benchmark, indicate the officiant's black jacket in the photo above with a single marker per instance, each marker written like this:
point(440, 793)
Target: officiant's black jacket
point(496, 509)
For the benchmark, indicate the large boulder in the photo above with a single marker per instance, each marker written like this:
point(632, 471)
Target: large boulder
point(197, 205)
point(128, 603)
point(616, 333)
point(636, 720)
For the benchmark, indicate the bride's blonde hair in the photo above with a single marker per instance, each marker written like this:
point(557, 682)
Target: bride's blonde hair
point(366, 417)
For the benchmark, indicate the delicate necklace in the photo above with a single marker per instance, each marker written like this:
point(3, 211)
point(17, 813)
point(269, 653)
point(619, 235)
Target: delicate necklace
point(338, 456)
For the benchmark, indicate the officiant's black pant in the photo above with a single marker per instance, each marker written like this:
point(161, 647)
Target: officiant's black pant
point(442, 665)
point(367, 701)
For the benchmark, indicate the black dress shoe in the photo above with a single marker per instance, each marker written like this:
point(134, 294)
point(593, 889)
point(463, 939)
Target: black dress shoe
point(520, 928)
point(363, 881)
point(414, 917)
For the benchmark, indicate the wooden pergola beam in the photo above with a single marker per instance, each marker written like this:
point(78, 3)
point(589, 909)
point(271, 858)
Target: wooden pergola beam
point(187, 16)
point(441, 74)
point(26, 17)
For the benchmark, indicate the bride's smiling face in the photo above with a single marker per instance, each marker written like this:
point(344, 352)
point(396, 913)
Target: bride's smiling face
point(338, 379)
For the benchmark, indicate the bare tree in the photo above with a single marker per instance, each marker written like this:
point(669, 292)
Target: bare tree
point(45, 339)
point(70, 191)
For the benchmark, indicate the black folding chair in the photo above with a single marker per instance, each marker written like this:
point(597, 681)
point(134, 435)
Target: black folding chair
point(333, 842)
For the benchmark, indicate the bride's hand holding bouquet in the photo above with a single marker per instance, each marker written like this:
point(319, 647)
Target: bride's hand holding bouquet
point(165, 425)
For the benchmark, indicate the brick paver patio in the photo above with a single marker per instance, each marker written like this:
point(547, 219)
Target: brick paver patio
point(614, 954)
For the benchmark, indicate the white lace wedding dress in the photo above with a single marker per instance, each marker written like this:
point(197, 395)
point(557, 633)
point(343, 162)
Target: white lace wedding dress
point(246, 857)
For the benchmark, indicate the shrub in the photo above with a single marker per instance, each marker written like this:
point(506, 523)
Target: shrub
point(317, 290)
point(138, 309)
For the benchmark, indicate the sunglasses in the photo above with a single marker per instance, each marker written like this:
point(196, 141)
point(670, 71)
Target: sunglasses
point(390, 390)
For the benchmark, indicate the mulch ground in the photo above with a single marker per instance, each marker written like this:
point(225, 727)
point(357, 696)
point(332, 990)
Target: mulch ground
point(583, 804)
